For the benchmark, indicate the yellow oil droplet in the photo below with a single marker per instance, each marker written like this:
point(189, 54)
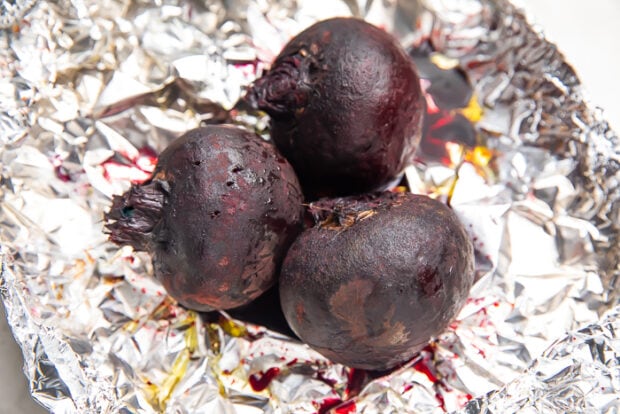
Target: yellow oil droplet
point(213, 337)
point(482, 159)
point(217, 375)
point(451, 189)
point(187, 322)
point(131, 326)
point(111, 280)
point(79, 268)
point(159, 395)
point(58, 290)
point(444, 62)
point(479, 156)
point(191, 336)
point(177, 372)
point(232, 328)
point(163, 310)
point(473, 111)
point(444, 190)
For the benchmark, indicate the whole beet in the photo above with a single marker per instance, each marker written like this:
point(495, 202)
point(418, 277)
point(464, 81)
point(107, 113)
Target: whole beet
point(376, 277)
point(345, 106)
point(218, 215)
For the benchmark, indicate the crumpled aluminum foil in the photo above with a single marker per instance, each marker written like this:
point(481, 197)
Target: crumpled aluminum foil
point(91, 91)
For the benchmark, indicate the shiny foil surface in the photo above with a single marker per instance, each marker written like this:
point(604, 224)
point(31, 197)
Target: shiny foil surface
point(91, 92)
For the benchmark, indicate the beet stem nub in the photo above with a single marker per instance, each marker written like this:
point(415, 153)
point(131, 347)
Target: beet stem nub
point(134, 215)
point(278, 92)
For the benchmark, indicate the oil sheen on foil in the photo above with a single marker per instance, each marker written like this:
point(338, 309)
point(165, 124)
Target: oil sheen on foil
point(91, 91)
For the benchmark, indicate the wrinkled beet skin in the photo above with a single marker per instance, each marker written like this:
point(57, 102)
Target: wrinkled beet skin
point(231, 207)
point(345, 105)
point(368, 290)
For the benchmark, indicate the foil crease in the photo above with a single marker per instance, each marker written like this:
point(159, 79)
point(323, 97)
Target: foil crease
point(90, 92)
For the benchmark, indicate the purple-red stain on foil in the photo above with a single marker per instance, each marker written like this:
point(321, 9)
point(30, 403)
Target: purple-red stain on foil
point(60, 170)
point(329, 381)
point(336, 406)
point(327, 404)
point(424, 364)
point(261, 380)
point(135, 168)
point(356, 379)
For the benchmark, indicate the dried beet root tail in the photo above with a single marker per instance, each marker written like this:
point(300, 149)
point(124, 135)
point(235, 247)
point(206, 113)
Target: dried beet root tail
point(345, 211)
point(281, 91)
point(134, 215)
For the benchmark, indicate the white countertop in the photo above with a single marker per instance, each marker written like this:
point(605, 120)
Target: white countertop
point(586, 32)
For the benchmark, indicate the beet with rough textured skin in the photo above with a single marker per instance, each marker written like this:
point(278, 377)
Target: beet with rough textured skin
point(218, 215)
point(345, 105)
point(376, 277)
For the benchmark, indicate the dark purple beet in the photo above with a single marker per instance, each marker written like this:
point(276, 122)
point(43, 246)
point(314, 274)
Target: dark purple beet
point(376, 277)
point(345, 105)
point(218, 215)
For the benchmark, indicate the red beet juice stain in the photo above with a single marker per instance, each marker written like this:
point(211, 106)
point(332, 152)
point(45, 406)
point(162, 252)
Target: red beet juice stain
point(320, 375)
point(261, 380)
point(334, 405)
point(327, 404)
point(421, 366)
point(356, 379)
point(348, 407)
point(441, 401)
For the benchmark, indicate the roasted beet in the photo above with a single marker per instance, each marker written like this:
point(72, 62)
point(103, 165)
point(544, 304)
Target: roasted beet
point(376, 277)
point(218, 215)
point(345, 105)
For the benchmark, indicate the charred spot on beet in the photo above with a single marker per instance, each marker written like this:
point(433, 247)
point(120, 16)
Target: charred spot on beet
point(376, 277)
point(214, 245)
point(345, 105)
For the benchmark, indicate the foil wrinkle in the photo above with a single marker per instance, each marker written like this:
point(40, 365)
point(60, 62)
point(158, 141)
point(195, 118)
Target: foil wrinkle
point(92, 91)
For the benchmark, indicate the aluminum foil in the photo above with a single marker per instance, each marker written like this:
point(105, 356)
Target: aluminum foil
point(91, 91)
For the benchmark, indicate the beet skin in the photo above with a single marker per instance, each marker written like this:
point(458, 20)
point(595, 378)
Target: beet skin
point(218, 215)
point(345, 105)
point(376, 277)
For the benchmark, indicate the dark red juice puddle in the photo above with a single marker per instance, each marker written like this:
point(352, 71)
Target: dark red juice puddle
point(329, 381)
point(356, 379)
point(261, 380)
point(327, 404)
point(346, 407)
point(421, 366)
point(440, 399)
point(62, 174)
